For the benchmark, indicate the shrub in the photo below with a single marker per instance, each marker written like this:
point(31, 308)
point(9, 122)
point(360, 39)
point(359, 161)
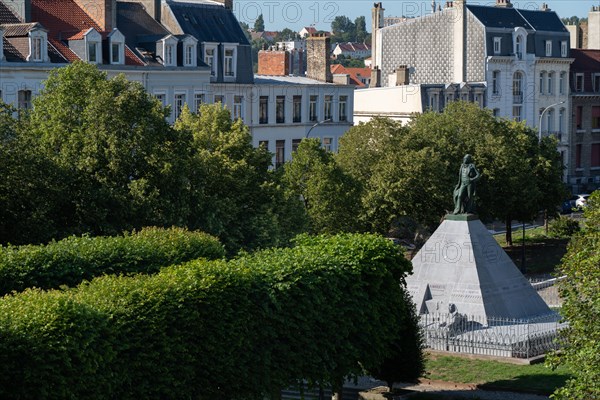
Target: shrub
point(563, 227)
point(74, 259)
point(241, 329)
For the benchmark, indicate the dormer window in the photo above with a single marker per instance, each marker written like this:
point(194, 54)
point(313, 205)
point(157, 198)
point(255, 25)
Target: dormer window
point(210, 57)
point(93, 46)
point(497, 45)
point(229, 61)
point(38, 45)
point(548, 48)
point(116, 47)
point(168, 50)
point(190, 52)
point(519, 42)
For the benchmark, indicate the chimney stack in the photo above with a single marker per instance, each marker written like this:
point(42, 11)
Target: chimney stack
point(103, 12)
point(402, 75)
point(273, 62)
point(504, 3)
point(377, 23)
point(318, 65)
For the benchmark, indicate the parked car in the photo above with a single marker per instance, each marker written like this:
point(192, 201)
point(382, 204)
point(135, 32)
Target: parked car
point(581, 200)
point(568, 205)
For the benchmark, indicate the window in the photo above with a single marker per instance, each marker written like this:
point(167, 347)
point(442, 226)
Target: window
point(596, 117)
point(542, 81)
point(162, 97)
point(518, 88)
point(327, 143)
point(561, 120)
point(295, 144)
point(561, 83)
point(519, 47)
point(263, 110)
point(496, 112)
point(313, 114)
point(550, 82)
point(219, 99)
point(563, 48)
point(517, 113)
point(343, 108)
point(327, 112)
point(210, 58)
point(434, 101)
point(264, 144)
point(36, 49)
point(238, 107)
point(297, 109)
point(579, 117)
point(169, 59)
point(188, 59)
point(478, 99)
point(229, 62)
point(578, 156)
point(279, 153)
point(24, 99)
point(464, 96)
point(449, 98)
point(93, 52)
point(115, 53)
point(280, 109)
point(595, 155)
point(496, 82)
point(548, 48)
point(497, 45)
point(596, 83)
point(579, 82)
point(550, 120)
point(179, 103)
point(199, 98)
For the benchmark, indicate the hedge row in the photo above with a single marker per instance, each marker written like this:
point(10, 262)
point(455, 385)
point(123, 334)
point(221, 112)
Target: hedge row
point(74, 259)
point(241, 329)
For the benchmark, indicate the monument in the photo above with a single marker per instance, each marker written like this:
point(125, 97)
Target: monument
point(464, 277)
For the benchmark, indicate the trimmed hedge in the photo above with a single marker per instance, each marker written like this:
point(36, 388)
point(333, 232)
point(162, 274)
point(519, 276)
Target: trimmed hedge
point(74, 259)
point(241, 329)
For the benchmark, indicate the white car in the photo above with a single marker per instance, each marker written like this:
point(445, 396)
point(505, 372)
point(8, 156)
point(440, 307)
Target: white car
point(581, 200)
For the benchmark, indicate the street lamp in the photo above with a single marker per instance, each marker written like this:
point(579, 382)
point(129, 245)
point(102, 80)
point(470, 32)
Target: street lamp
point(542, 115)
point(316, 124)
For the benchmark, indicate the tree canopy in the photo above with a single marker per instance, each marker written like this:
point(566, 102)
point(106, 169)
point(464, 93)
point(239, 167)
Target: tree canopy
point(259, 24)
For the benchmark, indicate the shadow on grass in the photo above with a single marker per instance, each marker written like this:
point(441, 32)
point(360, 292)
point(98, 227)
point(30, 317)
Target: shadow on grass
point(534, 383)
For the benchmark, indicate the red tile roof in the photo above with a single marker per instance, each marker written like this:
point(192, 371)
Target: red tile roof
point(585, 60)
point(355, 74)
point(64, 17)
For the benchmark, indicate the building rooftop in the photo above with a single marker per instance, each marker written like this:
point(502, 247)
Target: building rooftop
point(288, 80)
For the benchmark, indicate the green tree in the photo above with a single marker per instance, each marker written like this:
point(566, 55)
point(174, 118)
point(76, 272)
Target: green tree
point(121, 162)
point(343, 29)
point(285, 35)
point(232, 192)
point(329, 195)
point(361, 29)
point(581, 308)
point(259, 24)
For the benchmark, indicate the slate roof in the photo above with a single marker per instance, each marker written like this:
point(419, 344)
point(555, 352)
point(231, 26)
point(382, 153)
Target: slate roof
point(501, 17)
point(208, 22)
point(7, 16)
point(585, 60)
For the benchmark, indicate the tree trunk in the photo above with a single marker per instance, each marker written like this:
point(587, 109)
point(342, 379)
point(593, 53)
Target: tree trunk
point(338, 390)
point(509, 241)
point(546, 221)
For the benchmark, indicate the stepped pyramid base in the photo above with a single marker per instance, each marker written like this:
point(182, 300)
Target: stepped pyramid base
point(461, 269)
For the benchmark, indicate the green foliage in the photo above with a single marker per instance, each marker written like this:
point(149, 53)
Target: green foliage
point(259, 24)
point(349, 62)
point(74, 259)
point(563, 227)
point(241, 329)
point(581, 308)
point(327, 192)
point(233, 195)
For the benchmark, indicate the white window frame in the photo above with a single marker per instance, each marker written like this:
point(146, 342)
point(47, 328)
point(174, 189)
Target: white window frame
point(190, 52)
point(561, 82)
point(24, 103)
point(550, 88)
point(179, 102)
point(313, 108)
point(237, 111)
point(328, 143)
point(116, 38)
point(542, 81)
point(596, 82)
point(548, 45)
point(517, 116)
point(561, 120)
point(230, 61)
point(38, 46)
point(495, 82)
point(161, 95)
point(199, 99)
point(93, 40)
point(328, 107)
point(579, 88)
point(169, 55)
point(497, 45)
point(213, 58)
point(550, 120)
point(343, 106)
point(563, 48)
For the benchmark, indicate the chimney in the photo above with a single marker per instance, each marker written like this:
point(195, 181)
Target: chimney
point(375, 78)
point(376, 24)
point(273, 62)
point(152, 7)
point(318, 63)
point(402, 75)
point(545, 7)
point(103, 12)
point(503, 3)
point(22, 9)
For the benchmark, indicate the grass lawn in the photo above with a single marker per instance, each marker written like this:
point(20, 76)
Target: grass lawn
point(494, 374)
point(542, 254)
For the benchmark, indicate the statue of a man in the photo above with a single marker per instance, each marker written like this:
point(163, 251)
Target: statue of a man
point(464, 192)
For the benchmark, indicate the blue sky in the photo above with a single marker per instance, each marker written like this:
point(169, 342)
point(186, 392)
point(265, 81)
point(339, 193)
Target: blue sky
point(295, 14)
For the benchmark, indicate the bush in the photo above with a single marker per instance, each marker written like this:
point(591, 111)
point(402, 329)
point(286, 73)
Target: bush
point(74, 259)
point(563, 227)
point(241, 329)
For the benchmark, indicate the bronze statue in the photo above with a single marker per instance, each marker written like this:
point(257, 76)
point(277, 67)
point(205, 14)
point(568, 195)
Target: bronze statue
point(464, 192)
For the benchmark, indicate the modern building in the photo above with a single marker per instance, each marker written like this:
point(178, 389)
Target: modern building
point(584, 166)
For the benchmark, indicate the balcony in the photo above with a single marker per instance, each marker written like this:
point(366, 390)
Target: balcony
point(517, 97)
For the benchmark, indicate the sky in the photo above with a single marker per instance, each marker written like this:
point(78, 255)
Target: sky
point(295, 14)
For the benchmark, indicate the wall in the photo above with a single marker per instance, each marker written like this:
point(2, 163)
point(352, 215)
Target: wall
point(273, 62)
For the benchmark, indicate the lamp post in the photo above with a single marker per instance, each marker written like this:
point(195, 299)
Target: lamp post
point(315, 125)
point(542, 115)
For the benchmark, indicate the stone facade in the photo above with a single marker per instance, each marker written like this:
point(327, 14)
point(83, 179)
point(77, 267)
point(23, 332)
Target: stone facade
point(318, 58)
